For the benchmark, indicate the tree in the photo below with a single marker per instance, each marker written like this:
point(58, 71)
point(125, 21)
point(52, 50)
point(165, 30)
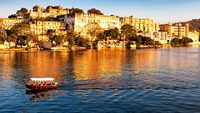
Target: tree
point(23, 33)
point(101, 36)
point(21, 29)
point(137, 39)
point(75, 10)
point(12, 38)
point(50, 32)
point(128, 31)
point(175, 42)
point(57, 39)
point(112, 33)
point(23, 12)
point(35, 8)
point(12, 16)
point(80, 41)
point(185, 41)
point(3, 35)
point(157, 43)
point(94, 11)
point(147, 41)
point(21, 40)
point(93, 29)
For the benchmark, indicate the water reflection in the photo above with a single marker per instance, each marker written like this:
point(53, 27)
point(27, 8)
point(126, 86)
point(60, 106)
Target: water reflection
point(109, 67)
point(6, 69)
point(96, 64)
point(107, 80)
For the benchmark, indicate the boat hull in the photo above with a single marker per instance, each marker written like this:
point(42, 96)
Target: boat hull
point(40, 88)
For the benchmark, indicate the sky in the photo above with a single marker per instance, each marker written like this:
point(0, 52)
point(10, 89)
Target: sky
point(162, 11)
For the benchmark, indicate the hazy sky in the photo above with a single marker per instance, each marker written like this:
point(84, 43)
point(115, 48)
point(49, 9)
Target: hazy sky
point(162, 11)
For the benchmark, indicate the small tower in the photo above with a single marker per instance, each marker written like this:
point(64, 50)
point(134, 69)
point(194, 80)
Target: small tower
point(187, 29)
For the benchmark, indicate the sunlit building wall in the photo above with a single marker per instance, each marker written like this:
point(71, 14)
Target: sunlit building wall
point(177, 30)
point(79, 21)
point(50, 11)
point(42, 27)
point(140, 24)
point(194, 35)
point(180, 31)
point(8, 23)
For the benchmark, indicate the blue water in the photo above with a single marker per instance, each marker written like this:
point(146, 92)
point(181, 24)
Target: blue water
point(163, 80)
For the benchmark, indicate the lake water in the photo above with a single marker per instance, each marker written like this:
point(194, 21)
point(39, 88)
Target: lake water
point(109, 81)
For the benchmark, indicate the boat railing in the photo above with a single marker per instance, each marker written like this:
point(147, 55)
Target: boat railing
point(41, 79)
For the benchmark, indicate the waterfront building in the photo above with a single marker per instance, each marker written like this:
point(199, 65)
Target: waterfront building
point(44, 27)
point(140, 24)
point(112, 44)
point(177, 30)
point(194, 35)
point(180, 31)
point(78, 21)
point(50, 11)
point(8, 23)
point(162, 37)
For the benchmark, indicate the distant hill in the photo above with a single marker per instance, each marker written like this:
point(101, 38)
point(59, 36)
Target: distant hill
point(194, 24)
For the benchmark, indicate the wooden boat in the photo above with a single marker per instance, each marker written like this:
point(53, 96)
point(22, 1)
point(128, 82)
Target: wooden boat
point(41, 84)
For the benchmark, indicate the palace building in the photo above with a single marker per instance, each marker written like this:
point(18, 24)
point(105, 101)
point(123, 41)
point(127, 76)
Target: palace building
point(177, 30)
point(42, 27)
point(79, 21)
point(50, 11)
point(140, 24)
point(8, 23)
point(180, 31)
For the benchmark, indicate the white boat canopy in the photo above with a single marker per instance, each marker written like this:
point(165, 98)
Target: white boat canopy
point(42, 79)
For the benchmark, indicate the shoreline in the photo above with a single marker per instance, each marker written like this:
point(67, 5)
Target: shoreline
point(12, 50)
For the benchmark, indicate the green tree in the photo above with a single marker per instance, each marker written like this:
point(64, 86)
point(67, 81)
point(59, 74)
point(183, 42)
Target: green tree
point(112, 33)
point(185, 41)
point(157, 43)
point(21, 40)
point(101, 36)
point(50, 32)
point(59, 40)
point(80, 41)
point(175, 42)
point(23, 33)
point(127, 31)
point(11, 37)
point(93, 29)
point(147, 41)
point(137, 39)
point(12, 16)
point(75, 10)
point(35, 8)
point(3, 35)
point(21, 29)
point(94, 11)
point(23, 12)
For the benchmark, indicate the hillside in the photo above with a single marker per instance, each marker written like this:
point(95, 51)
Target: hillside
point(194, 24)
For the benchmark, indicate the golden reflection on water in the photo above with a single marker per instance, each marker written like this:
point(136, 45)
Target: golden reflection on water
point(96, 64)
point(6, 68)
point(93, 64)
point(48, 64)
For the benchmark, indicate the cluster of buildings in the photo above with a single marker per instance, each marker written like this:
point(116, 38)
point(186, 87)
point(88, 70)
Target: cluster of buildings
point(79, 22)
point(8, 23)
point(179, 31)
point(50, 11)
